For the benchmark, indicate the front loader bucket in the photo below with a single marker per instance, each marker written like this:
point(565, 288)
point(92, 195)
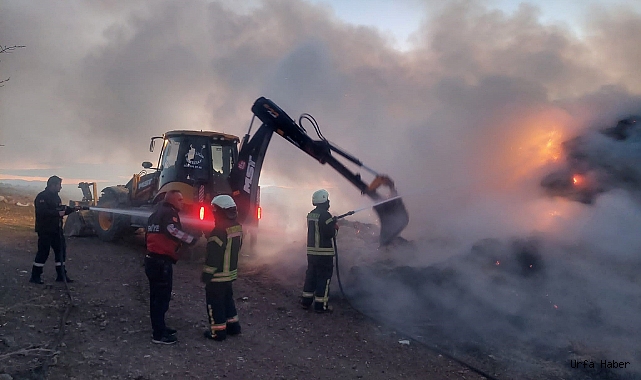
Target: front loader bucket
point(393, 217)
point(79, 223)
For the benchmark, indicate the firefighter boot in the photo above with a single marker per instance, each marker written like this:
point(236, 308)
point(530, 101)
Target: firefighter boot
point(36, 275)
point(233, 328)
point(218, 336)
point(306, 300)
point(62, 274)
point(322, 308)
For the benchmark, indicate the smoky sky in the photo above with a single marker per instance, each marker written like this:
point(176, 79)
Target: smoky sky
point(466, 118)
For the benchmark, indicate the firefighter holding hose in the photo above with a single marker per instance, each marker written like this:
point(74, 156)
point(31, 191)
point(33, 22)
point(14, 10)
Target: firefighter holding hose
point(321, 230)
point(49, 214)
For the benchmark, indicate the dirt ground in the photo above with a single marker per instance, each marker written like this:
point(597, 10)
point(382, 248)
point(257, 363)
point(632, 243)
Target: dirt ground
point(100, 329)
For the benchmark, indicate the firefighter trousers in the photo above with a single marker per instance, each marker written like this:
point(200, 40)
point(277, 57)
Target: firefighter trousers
point(221, 309)
point(317, 278)
point(47, 242)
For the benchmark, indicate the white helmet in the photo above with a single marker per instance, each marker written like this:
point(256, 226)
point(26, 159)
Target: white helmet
point(223, 201)
point(320, 196)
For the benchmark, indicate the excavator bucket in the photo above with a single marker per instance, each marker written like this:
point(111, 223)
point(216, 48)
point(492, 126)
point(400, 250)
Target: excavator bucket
point(393, 217)
point(391, 212)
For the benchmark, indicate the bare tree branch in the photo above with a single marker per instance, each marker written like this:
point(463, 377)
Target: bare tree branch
point(8, 49)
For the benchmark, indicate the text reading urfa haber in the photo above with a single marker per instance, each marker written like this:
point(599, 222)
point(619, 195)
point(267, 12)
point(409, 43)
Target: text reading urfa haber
point(612, 364)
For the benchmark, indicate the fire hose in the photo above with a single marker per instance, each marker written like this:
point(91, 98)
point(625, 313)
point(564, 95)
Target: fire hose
point(431, 347)
point(70, 305)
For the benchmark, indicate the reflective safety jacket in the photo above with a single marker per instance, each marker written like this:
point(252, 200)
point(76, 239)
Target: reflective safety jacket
point(223, 246)
point(321, 229)
point(48, 219)
point(164, 232)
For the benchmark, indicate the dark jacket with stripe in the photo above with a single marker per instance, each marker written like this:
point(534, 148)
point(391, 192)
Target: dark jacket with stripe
point(321, 229)
point(223, 246)
point(48, 205)
point(164, 232)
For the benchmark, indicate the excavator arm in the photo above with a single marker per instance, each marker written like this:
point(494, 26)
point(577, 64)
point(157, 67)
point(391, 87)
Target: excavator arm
point(244, 178)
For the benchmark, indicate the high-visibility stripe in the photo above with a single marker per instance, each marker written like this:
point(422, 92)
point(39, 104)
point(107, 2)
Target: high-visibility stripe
point(325, 298)
point(208, 269)
point(228, 273)
point(214, 326)
point(178, 234)
point(308, 294)
point(320, 251)
point(227, 257)
point(216, 240)
point(313, 217)
point(225, 276)
point(234, 230)
point(233, 319)
point(35, 264)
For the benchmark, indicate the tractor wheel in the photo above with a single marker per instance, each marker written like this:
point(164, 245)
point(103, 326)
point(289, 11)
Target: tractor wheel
point(110, 226)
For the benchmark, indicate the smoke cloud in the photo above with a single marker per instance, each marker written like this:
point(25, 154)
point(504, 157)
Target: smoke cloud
point(467, 121)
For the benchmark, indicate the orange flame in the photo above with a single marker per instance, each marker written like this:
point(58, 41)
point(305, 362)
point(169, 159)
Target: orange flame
point(552, 149)
point(577, 180)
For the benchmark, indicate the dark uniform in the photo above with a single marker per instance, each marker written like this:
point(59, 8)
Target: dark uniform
point(220, 270)
point(321, 230)
point(164, 237)
point(50, 236)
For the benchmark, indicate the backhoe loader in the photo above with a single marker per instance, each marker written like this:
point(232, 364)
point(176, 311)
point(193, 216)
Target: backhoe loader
point(203, 164)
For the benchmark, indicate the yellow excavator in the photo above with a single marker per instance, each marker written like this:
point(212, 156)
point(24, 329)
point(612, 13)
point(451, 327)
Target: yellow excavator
point(203, 164)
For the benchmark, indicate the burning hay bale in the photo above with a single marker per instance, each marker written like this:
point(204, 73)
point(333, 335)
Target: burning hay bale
point(599, 161)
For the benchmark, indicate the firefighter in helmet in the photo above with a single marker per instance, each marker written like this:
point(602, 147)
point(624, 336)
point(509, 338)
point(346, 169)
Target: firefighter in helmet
point(221, 269)
point(321, 231)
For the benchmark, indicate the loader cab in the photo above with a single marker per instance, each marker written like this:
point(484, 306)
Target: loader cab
point(200, 161)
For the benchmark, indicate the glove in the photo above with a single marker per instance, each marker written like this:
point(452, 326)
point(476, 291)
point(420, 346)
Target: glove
point(194, 241)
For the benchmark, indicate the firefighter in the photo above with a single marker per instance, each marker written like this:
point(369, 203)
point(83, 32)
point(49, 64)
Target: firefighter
point(221, 269)
point(163, 238)
point(321, 230)
point(49, 214)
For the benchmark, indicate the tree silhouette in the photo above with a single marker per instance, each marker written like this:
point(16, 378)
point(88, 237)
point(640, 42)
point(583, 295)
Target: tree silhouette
point(5, 50)
point(8, 49)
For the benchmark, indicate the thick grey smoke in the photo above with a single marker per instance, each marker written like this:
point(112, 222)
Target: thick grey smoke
point(467, 122)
